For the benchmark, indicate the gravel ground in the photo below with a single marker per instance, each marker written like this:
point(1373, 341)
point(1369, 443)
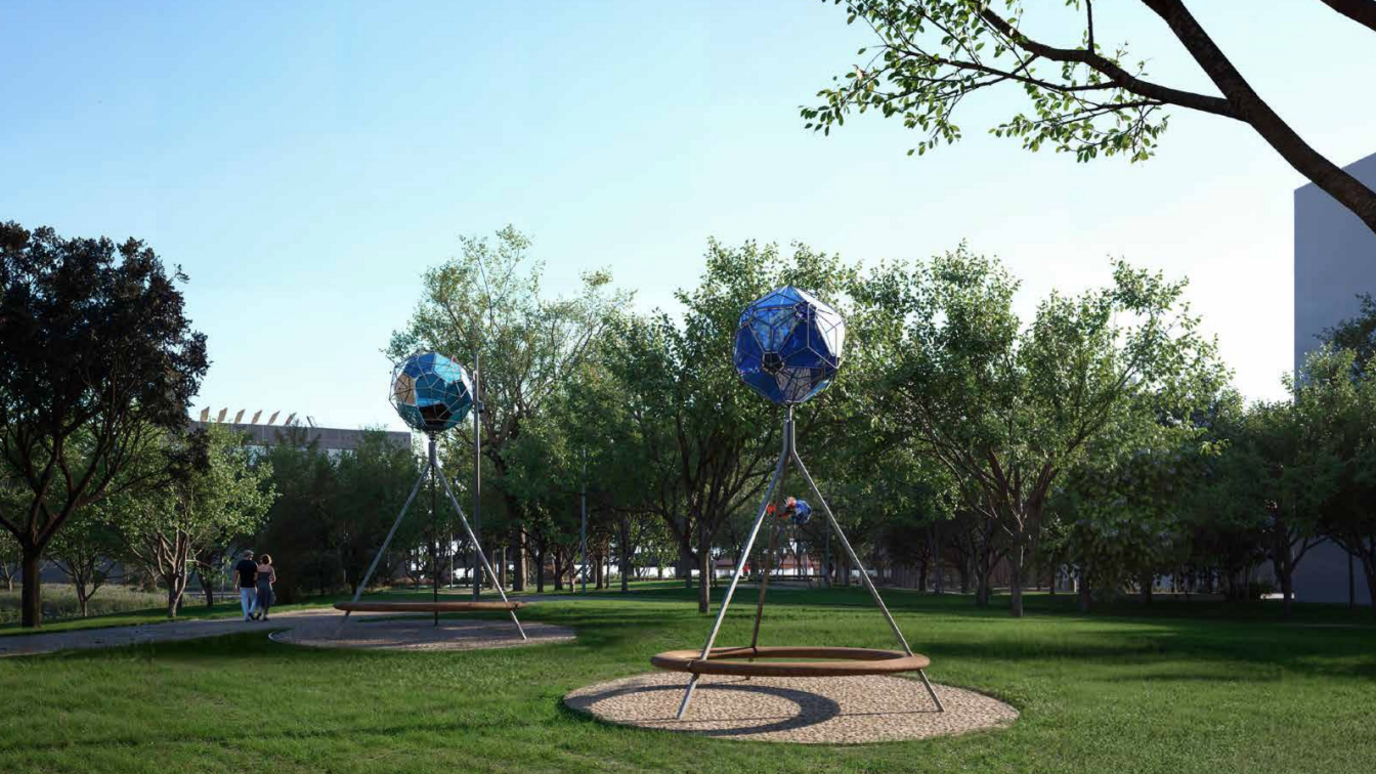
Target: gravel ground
point(814, 710)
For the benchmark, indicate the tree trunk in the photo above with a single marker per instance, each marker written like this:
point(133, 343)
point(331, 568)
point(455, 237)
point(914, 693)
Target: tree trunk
point(208, 589)
point(31, 599)
point(685, 563)
point(1287, 592)
point(540, 571)
point(1084, 593)
point(174, 597)
point(1145, 582)
point(625, 555)
point(520, 572)
point(1015, 586)
point(704, 571)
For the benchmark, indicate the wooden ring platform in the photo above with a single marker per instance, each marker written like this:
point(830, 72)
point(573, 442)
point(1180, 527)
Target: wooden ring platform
point(424, 607)
point(837, 662)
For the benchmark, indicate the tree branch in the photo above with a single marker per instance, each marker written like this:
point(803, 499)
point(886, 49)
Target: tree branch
point(1361, 11)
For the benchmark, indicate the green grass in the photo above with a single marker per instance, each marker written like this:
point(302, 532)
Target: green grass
point(60, 602)
point(1178, 687)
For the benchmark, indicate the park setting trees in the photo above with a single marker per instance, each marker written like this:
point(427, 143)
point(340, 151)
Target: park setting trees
point(100, 361)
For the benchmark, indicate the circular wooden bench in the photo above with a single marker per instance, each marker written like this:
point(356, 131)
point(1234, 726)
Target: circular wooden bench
point(834, 662)
point(424, 607)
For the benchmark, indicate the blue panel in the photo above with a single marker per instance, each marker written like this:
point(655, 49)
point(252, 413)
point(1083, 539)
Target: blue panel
point(788, 345)
point(438, 396)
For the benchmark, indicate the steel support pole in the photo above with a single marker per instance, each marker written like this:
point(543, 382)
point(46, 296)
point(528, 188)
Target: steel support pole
point(477, 470)
point(472, 536)
point(583, 528)
point(744, 555)
point(378, 556)
point(434, 531)
point(864, 574)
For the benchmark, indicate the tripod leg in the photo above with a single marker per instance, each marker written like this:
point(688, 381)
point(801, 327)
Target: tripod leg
point(378, 556)
point(740, 565)
point(864, 574)
point(922, 673)
point(486, 564)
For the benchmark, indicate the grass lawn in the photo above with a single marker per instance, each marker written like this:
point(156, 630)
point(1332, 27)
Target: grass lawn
point(1179, 687)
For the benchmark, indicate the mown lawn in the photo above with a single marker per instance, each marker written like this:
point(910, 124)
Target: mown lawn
point(1179, 687)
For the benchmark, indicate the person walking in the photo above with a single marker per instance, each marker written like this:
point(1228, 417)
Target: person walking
point(266, 577)
point(246, 581)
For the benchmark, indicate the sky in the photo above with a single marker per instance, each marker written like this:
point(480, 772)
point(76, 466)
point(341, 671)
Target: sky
point(305, 162)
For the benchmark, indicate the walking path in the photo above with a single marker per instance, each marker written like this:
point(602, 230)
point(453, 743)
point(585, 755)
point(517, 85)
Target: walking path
point(310, 625)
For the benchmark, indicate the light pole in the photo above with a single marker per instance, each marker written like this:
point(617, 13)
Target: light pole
point(583, 530)
point(477, 474)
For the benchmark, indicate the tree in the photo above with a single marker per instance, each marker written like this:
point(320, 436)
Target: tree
point(1356, 333)
point(1277, 475)
point(373, 482)
point(301, 523)
point(99, 358)
point(1007, 410)
point(488, 301)
point(10, 557)
point(1345, 404)
point(1087, 100)
point(1120, 511)
point(228, 497)
point(89, 548)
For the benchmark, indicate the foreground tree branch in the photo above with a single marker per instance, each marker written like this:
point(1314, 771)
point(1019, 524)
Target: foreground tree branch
point(931, 55)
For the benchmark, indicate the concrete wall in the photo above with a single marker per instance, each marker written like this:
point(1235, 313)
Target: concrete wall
point(1335, 259)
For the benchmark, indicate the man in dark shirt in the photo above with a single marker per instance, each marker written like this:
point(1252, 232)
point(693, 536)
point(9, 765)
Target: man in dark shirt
point(246, 580)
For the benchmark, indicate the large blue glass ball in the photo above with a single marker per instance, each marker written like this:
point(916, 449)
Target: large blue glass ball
point(788, 345)
point(431, 393)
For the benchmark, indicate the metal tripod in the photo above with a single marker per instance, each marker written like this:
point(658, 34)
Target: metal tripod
point(432, 469)
point(787, 455)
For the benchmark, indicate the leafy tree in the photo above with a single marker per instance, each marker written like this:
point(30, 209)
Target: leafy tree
point(1007, 409)
point(489, 301)
point(1356, 333)
point(1120, 510)
point(1278, 475)
point(300, 526)
point(99, 359)
point(1329, 394)
point(10, 557)
point(89, 548)
point(228, 497)
point(1084, 98)
point(373, 482)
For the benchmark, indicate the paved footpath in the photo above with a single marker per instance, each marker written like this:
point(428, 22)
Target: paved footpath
point(309, 623)
point(309, 620)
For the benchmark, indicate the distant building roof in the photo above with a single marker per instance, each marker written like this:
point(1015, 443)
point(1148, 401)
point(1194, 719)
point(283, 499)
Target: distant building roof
point(328, 438)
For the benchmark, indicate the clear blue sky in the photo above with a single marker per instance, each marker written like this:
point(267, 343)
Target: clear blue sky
point(304, 162)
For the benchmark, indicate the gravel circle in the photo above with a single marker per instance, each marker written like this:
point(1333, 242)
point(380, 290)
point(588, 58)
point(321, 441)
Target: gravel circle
point(421, 634)
point(805, 710)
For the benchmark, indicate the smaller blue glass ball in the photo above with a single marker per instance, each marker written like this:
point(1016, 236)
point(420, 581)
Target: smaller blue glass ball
point(431, 392)
point(788, 345)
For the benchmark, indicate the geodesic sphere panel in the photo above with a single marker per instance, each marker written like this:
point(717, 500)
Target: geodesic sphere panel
point(431, 393)
point(788, 345)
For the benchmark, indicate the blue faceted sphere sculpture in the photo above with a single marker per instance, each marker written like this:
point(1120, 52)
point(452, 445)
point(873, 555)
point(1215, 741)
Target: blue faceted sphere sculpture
point(788, 345)
point(431, 393)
